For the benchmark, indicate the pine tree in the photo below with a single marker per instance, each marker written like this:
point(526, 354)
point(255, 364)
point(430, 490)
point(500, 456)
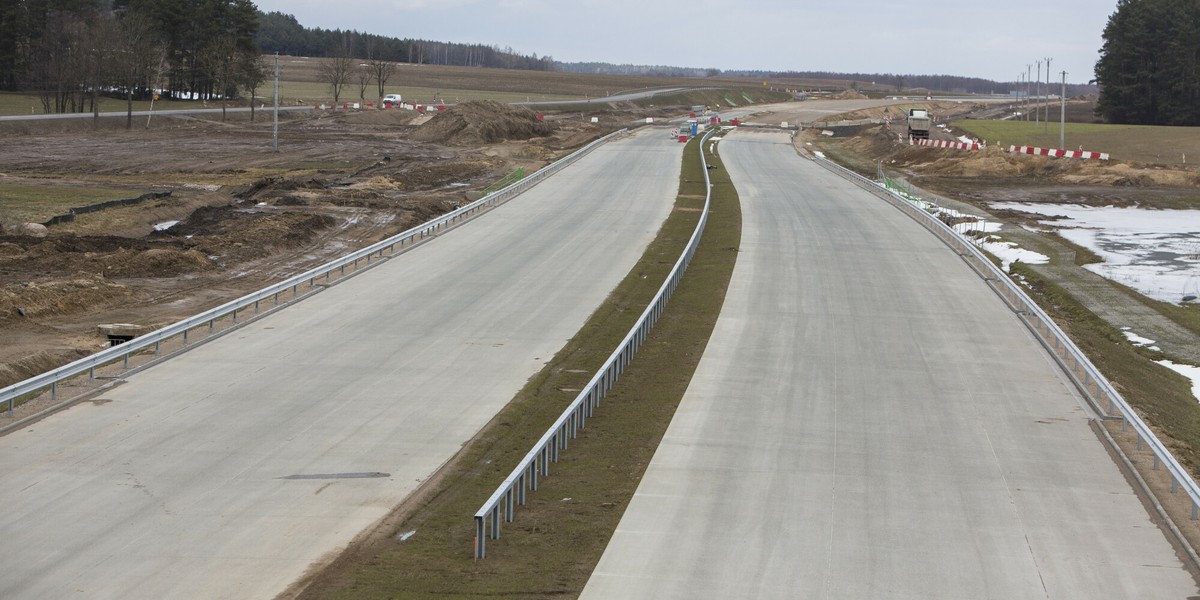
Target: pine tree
point(1149, 67)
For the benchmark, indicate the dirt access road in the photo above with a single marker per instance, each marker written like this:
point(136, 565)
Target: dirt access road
point(246, 216)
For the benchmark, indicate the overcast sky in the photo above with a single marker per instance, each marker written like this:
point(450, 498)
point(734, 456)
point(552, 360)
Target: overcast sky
point(993, 39)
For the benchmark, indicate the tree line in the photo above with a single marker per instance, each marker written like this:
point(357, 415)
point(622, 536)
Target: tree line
point(70, 52)
point(1149, 66)
point(282, 33)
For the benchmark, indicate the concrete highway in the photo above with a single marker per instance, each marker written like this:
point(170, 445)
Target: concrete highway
point(231, 470)
point(870, 421)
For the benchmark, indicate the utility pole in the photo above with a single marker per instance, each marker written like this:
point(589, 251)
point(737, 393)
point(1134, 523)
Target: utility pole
point(1062, 125)
point(275, 136)
point(1046, 126)
point(1037, 87)
point(1028, 74)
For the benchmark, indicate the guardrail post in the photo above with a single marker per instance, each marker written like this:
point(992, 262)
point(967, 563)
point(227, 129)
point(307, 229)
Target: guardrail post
point(480, 544)
point(1195, 509)
point(496, 522)
point(508, 506)
point(91, 374)
point(185, 337)
point(53, 391)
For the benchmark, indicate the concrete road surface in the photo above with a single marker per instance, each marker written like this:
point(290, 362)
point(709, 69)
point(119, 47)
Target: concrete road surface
point(870, 421)
point(227, 472)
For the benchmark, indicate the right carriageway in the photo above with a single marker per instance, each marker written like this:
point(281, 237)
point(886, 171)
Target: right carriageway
point(870, 420)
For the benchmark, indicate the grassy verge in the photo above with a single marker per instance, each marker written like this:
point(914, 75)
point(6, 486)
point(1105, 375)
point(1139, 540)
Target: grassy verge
point(27, 104)
point(1162, 397)
point(1142, 143)
point(555, 541)
point(20, 202)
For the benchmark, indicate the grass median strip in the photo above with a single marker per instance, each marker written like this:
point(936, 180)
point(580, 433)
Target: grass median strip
point(556, 540)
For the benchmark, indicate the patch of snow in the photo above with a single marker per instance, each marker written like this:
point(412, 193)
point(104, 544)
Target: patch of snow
point(165, 225)
point(1136, 339)
point(819, 154)
point(1156, 252)
point(1008, 252)
point(1189, 371)
point(201, 186)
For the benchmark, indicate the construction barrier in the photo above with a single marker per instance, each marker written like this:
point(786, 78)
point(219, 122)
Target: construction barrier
point(1056, 153)
point(946, 144)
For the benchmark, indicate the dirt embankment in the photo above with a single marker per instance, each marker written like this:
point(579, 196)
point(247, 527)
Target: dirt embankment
point(240, 217)
point(879, 144)
point(482, 122)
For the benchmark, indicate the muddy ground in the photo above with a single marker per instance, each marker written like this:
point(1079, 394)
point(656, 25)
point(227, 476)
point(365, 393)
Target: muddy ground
point(246, 216)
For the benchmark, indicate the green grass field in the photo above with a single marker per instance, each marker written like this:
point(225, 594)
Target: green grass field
point(307, 92)
point(27, 104)
point(24, 203)
point(1147, 144)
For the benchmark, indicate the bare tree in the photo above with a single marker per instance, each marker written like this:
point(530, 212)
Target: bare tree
point(363, 76)
point(223, 63)
point(60, 62)
point(253, 72)
point(335, 71)
point(137, 59)
point(381, 70)
point(100, 42)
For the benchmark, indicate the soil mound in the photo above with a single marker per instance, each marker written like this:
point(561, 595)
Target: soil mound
point(59, 296)
point(848, 95)
point(481, 122)
point(36, 364)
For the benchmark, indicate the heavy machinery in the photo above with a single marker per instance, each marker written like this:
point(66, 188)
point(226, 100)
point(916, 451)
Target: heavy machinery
point(919, 123)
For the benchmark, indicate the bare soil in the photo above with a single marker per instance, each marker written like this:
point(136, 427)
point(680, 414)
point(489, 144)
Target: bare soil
point(247, 216)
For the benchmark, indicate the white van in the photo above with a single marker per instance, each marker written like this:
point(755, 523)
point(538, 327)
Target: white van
point(393, 99)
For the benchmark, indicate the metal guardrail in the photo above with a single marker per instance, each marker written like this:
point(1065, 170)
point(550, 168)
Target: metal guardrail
point(536, 463)
point(154, 340)
point(1098, 391)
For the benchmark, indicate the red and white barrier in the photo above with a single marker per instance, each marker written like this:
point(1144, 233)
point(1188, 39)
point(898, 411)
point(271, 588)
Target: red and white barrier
point(945, 144)
point(1056, 153)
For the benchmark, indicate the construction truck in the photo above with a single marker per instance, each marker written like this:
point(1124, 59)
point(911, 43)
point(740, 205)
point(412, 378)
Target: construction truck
point(919, 123)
